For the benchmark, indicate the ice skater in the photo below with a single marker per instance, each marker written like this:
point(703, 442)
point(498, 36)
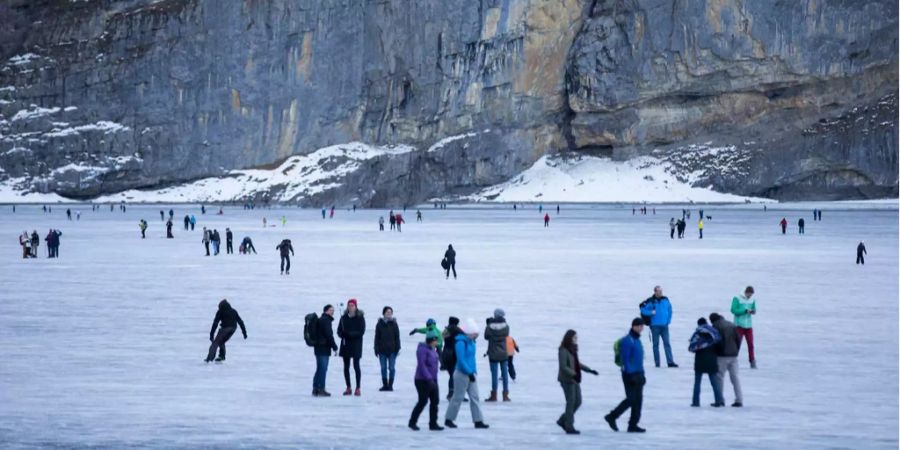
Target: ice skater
point(450, 257)
point(230, 320)
point(861, 254)
point(247, 246)
point(143, 226)
point(286, 250)
point(784, 224)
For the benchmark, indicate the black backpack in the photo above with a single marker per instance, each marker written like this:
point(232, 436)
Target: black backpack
point(310, 329)
point(448, 354)
point(445, 264)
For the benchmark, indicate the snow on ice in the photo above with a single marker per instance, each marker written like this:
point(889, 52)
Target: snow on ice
point(103, 347)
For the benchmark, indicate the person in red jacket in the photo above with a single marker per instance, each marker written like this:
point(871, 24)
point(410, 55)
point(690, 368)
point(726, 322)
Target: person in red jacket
point(400, 221)
point(546, 220)
point(783, 225)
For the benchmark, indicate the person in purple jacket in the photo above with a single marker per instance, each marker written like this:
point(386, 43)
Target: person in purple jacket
point(426, 382)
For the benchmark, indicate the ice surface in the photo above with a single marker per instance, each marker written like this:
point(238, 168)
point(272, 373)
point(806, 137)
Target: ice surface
point(104, 346)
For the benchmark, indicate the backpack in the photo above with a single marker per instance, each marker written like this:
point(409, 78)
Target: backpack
point(310, 330)
point(646, 319)
point(617, 350)
point(445, 263)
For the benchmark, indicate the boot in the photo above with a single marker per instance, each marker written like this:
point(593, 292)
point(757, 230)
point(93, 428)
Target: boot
point(752, 364)
point(347, 391)
point(481, 425)
point(384, 385)
point(636, 429)
point(449, 424)
point(492, 398)
point(506, 396)
point(611, 421)
point(357, 393)
point(450, 394)
point(324, 393)
point(413, 426)
point(435, 427)
point(390, 386)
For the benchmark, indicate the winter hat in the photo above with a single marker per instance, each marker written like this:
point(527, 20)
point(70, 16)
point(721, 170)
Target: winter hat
point(470, 326)
point(454, 320)
point(430, 322)
point(715, 317)
point(352, 301)
point(637, 321)
point(701, 321)
point(499, 313)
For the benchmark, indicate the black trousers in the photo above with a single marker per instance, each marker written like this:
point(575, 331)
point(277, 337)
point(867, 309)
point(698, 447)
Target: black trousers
point(222, 337)
point(860, 259)
point(285, 261)
point(228, 247)
point(355, 370)
point(672, 233)
point(206, 244)
point(428, 392)
point(452, 266)
point(143, 234)
point(634, 398)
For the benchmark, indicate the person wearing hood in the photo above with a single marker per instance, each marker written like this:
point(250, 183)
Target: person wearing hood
point(569, 377)
point(206, 239)
point(861, 254)
point(632, 355)
point(464, 378)
point(496, 332)
point(285, 250)
point(322, 350)
point(426, 383)
point(703, 346)
point(726, 356)
point(448, 354)
point(450, 256)
point(230, 320)
point(25, 242)
point(351, 329)
point(744, 308)
point(431, 325)
point(387, 346)
point(193, 222)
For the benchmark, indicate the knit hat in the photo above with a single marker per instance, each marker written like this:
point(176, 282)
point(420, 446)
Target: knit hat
point(454, 320)
point(430, 322)
point(637, 321)
point(499, 313)
point(352, 301)
point(470, 326)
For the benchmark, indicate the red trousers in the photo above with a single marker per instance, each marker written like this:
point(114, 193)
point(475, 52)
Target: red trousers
point(748, 333)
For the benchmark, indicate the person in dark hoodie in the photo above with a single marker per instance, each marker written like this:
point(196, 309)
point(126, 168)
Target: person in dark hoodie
point(230, 320)
point(286, 250)
point(569, 377)
point(450, 256)
point(448, 355)
point(169, 234)
point(703, 346)
point(495, 333)
point(216, 240)
point(426, 383)
point(727, 358)
point(387, 346)
point(322, 350)
point(351, 329)
point(229, 241)
point(861, 254)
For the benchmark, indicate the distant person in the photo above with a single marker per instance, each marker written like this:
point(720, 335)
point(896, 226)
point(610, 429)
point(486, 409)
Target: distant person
point(247, 246)
point(381, 223)
point(392, 219)
point(187, 222)
point(193, 222)
point(169, 226)
point(418, 215)
point(285, 250)
point(546, 220)
point(784, 224)
point(206, 239)
point(229, 241)
point(450, 256)
point(400, 221)
point(860, 254)
point(672, 228)
point(700, 227)
point(800, 225)
point(230, 320)
point(143, 226)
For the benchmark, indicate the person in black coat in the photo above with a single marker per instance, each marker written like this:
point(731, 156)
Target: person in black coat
point(286, 250)
point(860, 253)
point(351, 329)
point(448, 355)
point(322, 350)
point(450, 255)
point(387, 346)
point(230, 320)
point(229, 241)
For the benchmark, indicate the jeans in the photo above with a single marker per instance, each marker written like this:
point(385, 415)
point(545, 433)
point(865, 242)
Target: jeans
point(285, 263)
point(463, 387)
point(572, 391)
point(321, 371)
point(748, 333)
point(387, 366)
point(714, 381)
point(655, 332)
point(222, 337)
point(634, 398)
point(428, 392)
point(504, 373)
point(730, 364)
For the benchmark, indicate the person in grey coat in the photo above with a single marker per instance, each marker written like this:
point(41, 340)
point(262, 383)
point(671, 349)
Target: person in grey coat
point(495, 333)
point(726, 355)
point(570, 370)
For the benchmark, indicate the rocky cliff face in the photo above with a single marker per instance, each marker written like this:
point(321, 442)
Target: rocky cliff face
point(100, 96)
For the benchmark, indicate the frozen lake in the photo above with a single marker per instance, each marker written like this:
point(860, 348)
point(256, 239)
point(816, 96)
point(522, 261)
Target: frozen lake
point(104, 346)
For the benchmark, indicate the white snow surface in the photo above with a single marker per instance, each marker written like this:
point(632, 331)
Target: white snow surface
point(300, 176)
point(594, 179)
point(34, 112)
point(103, 347)
point(105, 126)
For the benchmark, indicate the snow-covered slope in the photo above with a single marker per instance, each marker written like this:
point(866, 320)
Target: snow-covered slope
point(593, 179)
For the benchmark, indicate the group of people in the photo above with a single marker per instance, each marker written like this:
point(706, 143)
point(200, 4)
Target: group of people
point(31, 242)
point(396, 221)
point(212, 237)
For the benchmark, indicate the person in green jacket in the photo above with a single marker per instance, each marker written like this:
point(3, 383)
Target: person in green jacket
point(431, 326)
point(743, 309)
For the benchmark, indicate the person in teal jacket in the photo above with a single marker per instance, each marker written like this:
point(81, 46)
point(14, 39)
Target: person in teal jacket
point(659, 309)
point(464, 379)
point(632, 354)
point(744, 309)
point(431, 326)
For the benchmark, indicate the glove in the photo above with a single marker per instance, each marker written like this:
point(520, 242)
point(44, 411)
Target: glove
point(472, 377)
point(412, 332)
point(245, 335)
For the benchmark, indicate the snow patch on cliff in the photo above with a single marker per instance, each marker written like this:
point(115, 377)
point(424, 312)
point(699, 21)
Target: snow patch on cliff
point(105, 126)
point(33, 113)
point(593, 179)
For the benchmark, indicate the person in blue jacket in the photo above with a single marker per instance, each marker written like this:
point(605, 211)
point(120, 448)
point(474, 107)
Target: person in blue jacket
point(659, 309)
point(464, 377)
point(632, 354)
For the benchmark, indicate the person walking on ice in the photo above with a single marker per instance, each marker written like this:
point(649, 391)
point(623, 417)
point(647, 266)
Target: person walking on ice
point(630, 357)
point(381, 223)
point(169, 226)
point(726, 356)
point(418, 215)
point(230, 320)
point(206, 239)
point(426, 382)
point(672, 228)
point(143, 226)
point(569, 377)
point(351, 329)
point(860, 254)
point(744, 309)
point(700, 227)
point(286, 250)
point(465, 381)
point(784, 224)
